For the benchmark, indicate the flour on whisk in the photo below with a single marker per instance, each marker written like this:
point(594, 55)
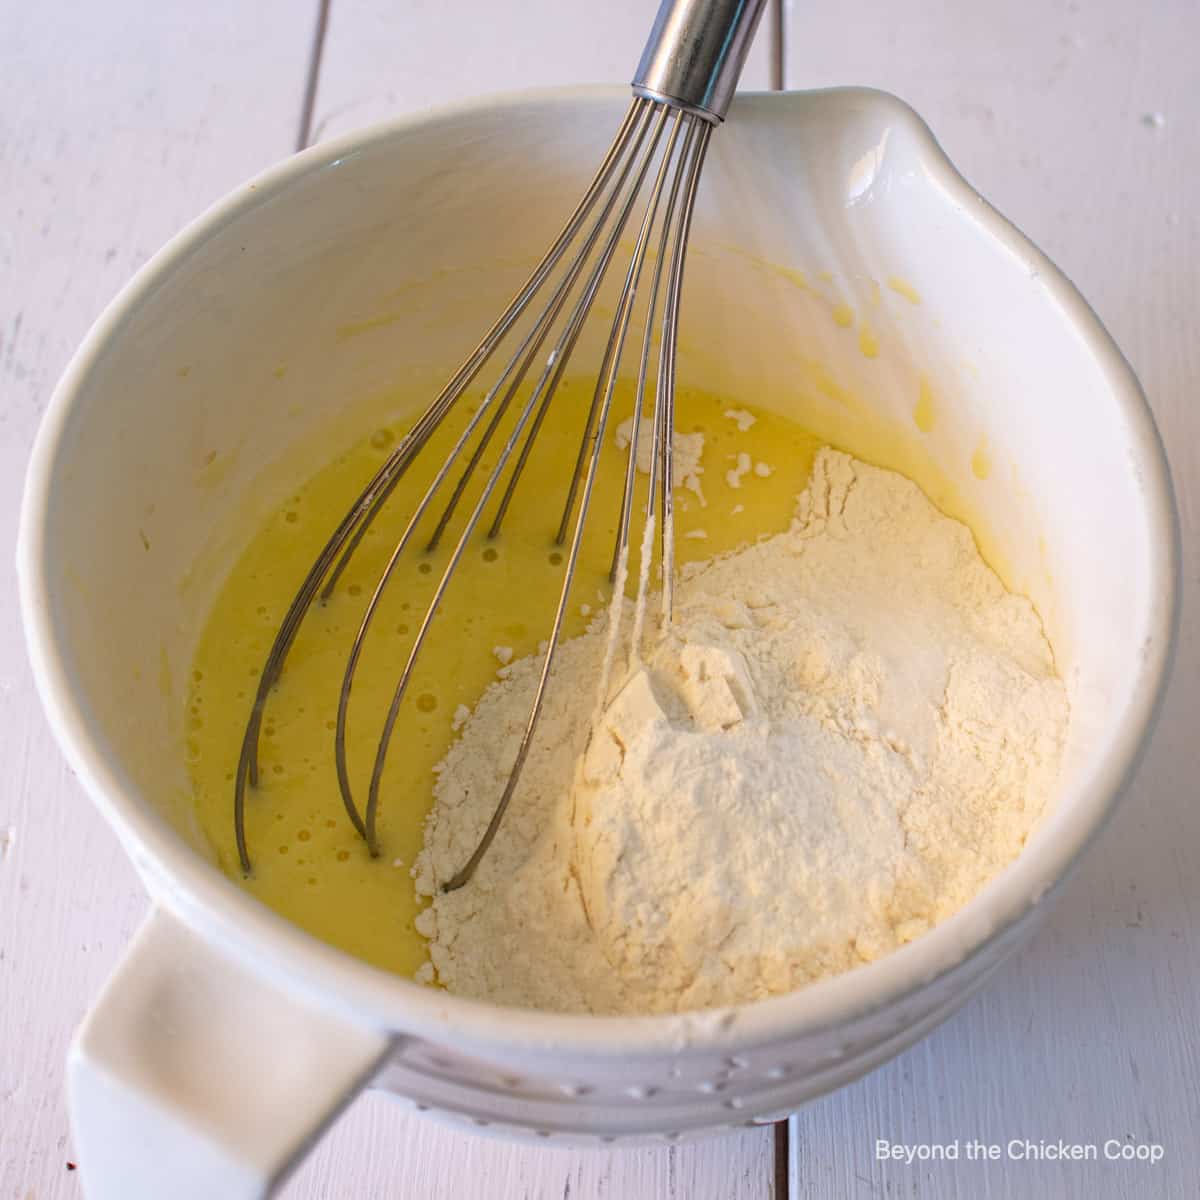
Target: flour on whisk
point(849, 730)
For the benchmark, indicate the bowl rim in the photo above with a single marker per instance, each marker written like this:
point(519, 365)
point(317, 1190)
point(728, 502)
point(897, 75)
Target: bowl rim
point(206, 900)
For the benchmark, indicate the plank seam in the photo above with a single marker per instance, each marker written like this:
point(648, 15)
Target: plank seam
point(313, 75)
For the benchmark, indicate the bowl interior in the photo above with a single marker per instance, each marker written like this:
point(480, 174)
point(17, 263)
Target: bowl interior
point(838, 271)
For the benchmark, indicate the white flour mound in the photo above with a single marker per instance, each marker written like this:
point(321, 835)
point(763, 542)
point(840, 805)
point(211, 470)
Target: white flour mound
point(850, 728)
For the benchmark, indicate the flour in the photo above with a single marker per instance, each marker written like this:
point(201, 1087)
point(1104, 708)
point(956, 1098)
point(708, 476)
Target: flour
point(850, 728)
point(686, 450)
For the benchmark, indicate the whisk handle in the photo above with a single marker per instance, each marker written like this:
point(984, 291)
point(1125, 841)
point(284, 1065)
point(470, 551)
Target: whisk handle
point(696, 52)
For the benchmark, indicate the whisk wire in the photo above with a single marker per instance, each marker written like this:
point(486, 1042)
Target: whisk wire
point(666, 371)
point(581, 459)
point(465, 375)
point(353, 526)
point(537, 335)
point(578, 316)
point(604, 395)
point(621, 544)
point(614, 189)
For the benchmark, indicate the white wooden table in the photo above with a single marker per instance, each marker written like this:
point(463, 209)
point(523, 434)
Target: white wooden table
point(121, 120)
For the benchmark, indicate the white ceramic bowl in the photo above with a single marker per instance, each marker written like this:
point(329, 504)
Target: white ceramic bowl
point(229, 1037)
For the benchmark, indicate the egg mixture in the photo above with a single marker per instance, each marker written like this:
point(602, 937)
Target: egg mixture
point(308, 862)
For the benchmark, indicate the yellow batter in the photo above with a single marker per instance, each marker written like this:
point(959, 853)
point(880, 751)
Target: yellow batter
point(309, 864)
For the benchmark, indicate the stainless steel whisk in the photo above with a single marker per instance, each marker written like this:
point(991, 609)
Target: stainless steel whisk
point(681, 91)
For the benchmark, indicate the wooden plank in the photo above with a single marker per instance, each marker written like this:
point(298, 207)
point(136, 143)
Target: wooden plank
point(94, 179)
point(381, 58)
point(1082, 123)
point(118, 123)
point(380, 1151)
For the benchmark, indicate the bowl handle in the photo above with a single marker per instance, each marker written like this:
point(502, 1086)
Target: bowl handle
point(193, 1078)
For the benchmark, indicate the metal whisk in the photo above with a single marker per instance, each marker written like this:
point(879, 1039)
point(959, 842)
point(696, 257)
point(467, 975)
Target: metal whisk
point(682, 89)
